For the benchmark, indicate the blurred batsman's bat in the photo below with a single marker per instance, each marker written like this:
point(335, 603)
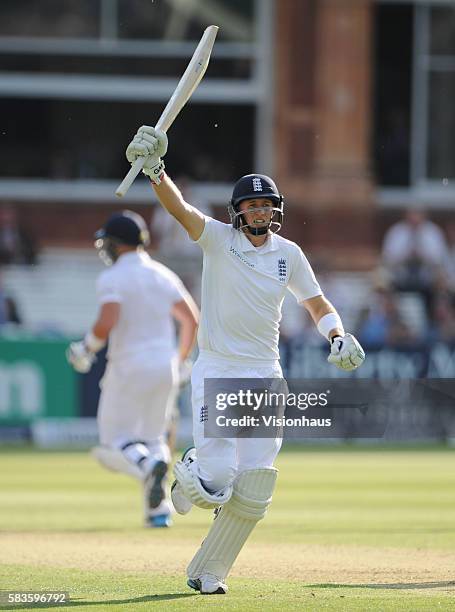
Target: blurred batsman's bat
point(187, 84)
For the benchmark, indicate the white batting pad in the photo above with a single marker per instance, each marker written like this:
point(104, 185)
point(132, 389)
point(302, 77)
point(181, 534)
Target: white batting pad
point(113, 459)
point(250, 499)
point(192, 487)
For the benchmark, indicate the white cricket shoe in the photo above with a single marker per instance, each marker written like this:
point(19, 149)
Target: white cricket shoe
point(208, 584)
point(181, 503)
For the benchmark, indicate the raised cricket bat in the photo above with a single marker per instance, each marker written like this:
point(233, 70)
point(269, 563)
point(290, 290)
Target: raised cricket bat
point(187, 84)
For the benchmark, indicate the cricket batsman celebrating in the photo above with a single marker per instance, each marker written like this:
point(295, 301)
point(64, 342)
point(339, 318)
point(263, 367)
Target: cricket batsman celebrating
point(139, 299)
point(247, 269)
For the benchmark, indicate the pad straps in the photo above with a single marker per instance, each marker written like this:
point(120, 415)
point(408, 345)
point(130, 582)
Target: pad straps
point(192, 487)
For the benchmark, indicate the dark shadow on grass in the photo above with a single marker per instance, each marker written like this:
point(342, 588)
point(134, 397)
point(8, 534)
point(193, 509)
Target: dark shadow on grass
point(83, 602)
point(386, 585)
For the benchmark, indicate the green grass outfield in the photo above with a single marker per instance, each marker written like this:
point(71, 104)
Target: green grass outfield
point(349, 529)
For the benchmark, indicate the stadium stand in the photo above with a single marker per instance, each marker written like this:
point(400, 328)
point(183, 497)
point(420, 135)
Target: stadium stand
point(56, 296)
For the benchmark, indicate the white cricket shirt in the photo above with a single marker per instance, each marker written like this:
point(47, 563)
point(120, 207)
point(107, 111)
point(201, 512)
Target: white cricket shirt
point(243, 288)
point(146, 291)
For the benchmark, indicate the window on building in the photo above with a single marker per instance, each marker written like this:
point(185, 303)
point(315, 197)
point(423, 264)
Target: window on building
point(440, 79)
point(177, 20)
point(80, 76)
point(77, 139)
point(414, 89)
point(392, 94)
point(48, 18)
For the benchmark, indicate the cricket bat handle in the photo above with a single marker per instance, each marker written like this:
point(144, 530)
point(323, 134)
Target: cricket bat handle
point(136, 167)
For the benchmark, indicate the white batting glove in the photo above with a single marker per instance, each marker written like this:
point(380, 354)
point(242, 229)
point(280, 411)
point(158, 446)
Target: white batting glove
point(346, 353)
point(80, 357)
point(152, 144)
point(185, 368)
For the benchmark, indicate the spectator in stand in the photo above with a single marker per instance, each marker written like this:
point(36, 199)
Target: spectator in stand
point(174, 247)
point(450, 261)
point(171, 239)
point(16, 245)
point(381, 323)
point(414, 251)
point(444, 320)
point(8, 309)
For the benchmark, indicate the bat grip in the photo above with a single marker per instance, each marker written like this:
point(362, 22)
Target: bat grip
point(136, 167)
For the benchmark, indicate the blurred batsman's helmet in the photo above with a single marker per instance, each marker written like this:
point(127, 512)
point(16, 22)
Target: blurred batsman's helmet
point(256, 187)
point(125, 228)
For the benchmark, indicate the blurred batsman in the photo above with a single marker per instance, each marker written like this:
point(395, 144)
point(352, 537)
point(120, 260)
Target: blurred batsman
point(139, 299)
point(247, 269)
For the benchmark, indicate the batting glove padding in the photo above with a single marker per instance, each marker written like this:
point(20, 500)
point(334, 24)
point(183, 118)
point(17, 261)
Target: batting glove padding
point(152, 144)
point(79, 356)
point(346, 353)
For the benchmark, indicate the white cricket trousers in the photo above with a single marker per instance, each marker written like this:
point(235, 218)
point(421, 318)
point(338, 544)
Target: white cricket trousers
point(136, 403)
point(221, 459)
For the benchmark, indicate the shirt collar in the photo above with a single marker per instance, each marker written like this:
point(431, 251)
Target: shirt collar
point(271, 244)
point(130, 256)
